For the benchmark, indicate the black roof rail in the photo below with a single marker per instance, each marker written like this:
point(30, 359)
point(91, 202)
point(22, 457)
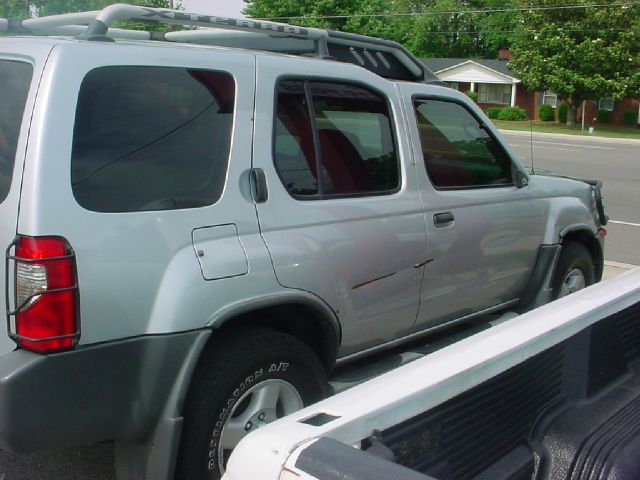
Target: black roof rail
point(384, 57)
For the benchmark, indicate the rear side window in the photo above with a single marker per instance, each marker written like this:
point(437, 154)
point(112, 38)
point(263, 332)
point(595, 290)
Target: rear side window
point(151, 138)
point(458, 152)
point(15, 78)
point(334, 139)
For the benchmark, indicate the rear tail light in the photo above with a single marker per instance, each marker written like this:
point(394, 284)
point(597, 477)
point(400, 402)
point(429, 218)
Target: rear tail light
point(45, 314)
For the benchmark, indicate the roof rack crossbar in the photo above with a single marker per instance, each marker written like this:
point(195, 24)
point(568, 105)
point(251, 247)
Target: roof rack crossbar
point(124, 12)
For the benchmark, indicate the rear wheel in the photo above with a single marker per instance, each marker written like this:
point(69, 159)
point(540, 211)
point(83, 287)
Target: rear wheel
point(574, 270)
point(244, 380)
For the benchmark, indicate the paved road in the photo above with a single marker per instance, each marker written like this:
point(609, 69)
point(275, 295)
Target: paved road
point(91, 462)
point(615, 162)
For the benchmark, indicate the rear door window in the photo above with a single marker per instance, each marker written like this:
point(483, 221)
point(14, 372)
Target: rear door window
point(151, 138)
point(334, 139)
point(15, 79)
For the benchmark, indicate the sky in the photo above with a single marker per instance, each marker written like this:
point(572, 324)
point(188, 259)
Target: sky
point(222, 8)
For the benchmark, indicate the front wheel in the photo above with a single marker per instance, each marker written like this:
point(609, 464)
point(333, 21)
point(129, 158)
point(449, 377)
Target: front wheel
point(245, 379)
point(574, 270)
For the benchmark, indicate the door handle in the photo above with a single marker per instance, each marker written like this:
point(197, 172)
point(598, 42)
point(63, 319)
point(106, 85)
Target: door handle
point(443, 218)
point(259, 185)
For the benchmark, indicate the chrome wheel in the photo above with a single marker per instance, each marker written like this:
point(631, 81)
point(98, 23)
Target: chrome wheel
point(574, 281)
point(261, 404)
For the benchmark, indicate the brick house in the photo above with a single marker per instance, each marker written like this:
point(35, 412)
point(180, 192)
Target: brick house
point(498, 86)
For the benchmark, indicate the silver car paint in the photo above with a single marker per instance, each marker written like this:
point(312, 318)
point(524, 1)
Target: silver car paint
point(34, 52)
point(485, 257)
point(139, 272)
point(358, 254)
point(360, 259)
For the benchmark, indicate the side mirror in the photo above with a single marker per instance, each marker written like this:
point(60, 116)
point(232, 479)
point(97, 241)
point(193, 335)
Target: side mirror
point(521, 179)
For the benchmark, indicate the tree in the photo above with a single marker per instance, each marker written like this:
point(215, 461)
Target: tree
point(437, 28)
point(459, 28)
point(579, 53)
point(15, 8)
point(345, 15)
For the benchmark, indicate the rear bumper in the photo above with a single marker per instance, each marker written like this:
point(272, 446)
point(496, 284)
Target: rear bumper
point(110, 391)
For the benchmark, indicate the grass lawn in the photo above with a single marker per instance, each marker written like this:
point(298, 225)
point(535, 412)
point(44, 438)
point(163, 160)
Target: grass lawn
point(554, 127)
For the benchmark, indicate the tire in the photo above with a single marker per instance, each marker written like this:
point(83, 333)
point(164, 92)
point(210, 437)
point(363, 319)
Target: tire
point(245, 379)
point(574, 270)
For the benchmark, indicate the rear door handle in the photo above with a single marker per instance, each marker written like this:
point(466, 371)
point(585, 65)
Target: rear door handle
point(443, 218)
point(259, 185)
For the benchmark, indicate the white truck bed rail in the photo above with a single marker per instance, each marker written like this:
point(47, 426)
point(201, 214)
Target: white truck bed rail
point(273, 451)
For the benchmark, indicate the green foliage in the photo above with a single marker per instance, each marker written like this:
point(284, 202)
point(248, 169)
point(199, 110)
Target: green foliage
point(582, 53)
point(429, 28)
point(14, 8)
point(358, 16)
point(472, 95)
point(493, 113)
point(563, 111)
point(629, 117)
point(512, 113)
point(604, 116)
point(455, 28)
point(545, 112)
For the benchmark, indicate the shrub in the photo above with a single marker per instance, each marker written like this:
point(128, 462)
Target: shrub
point(493, 112)
point(512, 113)
point(546, 113)
point(563, 112)
point(473, 96)
point(629, 117)
point(604, 116)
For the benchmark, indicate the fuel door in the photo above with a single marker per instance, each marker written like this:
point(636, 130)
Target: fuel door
point(220, 252)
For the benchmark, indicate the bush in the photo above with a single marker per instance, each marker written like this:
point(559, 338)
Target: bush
point(512, 113)
point(546, 113)
point(629, 117)
point(604, 116)
point(493, 112)
point(473, 96)
point(563, 112)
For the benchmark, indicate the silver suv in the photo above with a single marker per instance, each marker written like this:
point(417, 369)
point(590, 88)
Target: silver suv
point(198, 230)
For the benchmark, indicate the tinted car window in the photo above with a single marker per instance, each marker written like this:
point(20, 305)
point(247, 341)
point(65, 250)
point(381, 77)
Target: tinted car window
point(15, 78)
point(458, 152)
point(342, 143)
point(151, 138)
point(294, 153)
point(356, 140)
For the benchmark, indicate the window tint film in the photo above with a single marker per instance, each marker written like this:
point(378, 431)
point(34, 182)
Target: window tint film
point(340, 144)
point(151, 138)
point(357, 150)
point(457, 150)
point(15, 78)
point(294, 153)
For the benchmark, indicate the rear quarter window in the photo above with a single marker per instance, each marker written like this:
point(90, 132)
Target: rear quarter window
point(15, 79)
point(151, 138)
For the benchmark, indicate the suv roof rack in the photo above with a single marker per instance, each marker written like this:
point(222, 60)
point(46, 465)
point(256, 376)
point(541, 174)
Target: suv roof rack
point(384, 57)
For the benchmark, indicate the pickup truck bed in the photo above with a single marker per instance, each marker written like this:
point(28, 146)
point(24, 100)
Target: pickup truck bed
point(552, 394)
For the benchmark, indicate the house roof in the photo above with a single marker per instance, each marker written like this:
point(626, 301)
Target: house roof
point(439, 64)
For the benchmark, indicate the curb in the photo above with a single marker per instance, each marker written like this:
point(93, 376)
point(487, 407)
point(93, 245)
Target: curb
point(611, 268)
point(564, 136)
point(626, 266)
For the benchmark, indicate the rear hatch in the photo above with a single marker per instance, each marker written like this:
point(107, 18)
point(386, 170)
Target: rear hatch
point(21, 62)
